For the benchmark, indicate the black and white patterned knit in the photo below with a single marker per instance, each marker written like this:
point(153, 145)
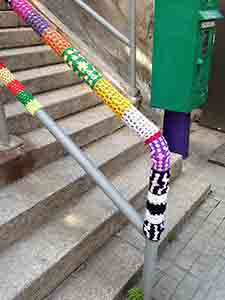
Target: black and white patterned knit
point(154, 222)
point(159, 182)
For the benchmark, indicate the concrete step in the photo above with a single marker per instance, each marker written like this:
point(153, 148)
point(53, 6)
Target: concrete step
point(18, 37)
point(35, 265)
point(43, 79)
point(101, 279)
point(29, 57)
point(29, 201)
point(41, 148)
point(10, 19)
point(58, 103)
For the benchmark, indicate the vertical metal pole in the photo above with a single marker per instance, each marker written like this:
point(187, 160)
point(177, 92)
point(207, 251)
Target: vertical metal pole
point(4, 135)
point(132, 29)
point(150, 262)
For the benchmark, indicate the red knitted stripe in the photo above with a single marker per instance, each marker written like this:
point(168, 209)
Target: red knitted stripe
point(2, 66)
point(153, 137)
point(16, 87)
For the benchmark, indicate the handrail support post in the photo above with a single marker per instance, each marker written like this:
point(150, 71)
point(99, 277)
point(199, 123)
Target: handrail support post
point(7, 142)
point(132, 53)
point(4, 135)
point(150, 263)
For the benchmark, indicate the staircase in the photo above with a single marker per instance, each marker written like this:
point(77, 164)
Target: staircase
point(52, 216)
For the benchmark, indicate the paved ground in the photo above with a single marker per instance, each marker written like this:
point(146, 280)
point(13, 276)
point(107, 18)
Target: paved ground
point(193, 265)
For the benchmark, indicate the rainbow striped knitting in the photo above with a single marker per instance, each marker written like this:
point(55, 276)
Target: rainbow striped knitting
point(19, 91)
point(154, 222)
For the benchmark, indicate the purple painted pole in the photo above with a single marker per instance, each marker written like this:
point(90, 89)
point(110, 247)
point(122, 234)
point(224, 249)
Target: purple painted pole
point(176, 130)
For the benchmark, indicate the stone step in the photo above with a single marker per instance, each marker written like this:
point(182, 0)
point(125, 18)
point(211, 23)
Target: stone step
point(10, 19)
point(43, 79)
point(29, 57)
point(35, 265)
point(99, 278)
point(58, 103)
point(41, 148)
point(29, 201)
point(18, 37)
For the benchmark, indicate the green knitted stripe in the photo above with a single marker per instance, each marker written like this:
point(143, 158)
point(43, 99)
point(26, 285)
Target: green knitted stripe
point(82, 67)
point(86, 71)
point(69, 51)
point(71, 58)
point(25, 97)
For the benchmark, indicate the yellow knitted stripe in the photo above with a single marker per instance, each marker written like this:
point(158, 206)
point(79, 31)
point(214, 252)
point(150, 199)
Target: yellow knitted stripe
point(113, 98)
point(6, 76)
point(33, 107)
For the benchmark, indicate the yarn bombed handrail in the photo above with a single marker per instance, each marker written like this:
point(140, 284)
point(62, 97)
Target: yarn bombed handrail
point(154, 221)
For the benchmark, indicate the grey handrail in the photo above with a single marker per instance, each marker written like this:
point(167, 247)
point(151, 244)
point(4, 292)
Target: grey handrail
point(103, 22)
point(92, 170)
point(4, 133)
point(130, 42)
point(133, 59)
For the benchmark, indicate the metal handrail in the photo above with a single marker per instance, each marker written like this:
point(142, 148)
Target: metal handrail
point(4, 133)
point(103, 22)
point(159, 152)
point(130, 42)
point(151, 249)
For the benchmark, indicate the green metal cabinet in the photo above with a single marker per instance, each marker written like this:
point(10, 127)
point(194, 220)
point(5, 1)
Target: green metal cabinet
point(184, 36)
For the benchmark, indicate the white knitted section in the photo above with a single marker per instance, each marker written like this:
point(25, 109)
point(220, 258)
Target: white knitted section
point(135, 120)
point(156, 199)
point(154, 219)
